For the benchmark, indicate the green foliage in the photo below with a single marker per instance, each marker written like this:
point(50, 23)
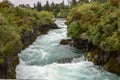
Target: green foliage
point(47, 6)
point(2, 20)
point(46, 17)
point(111, 43)
point(83, 1)
point(16, 24)
point(115, 3)
point(39, 6)
point(18, 28)
point(72, 30)
point(10, 43)
point(103, 30)
point(74, 2)
point(5, 3)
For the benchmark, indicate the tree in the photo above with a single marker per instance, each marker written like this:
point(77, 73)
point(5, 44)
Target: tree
point(74, 2)
point(84, 1)
point(47, 6)
point(5, 3)
point(53, 5)
point(39, 6)
point(62, 5)
point(79, 1)
point(22, 5)
point(35, 6)
point(99, 0)
point(73, 30)
point(28, 6)
point(115, 2)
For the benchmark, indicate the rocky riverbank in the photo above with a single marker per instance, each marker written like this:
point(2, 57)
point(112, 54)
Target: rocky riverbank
point(7, 69)
point(19, 27)
point(110, 61)
point(37, 31)
point(92, 29)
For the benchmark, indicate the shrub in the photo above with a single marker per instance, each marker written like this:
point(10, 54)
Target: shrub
point(92, 18)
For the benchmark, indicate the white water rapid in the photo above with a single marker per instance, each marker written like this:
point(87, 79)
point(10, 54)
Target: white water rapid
point(39, 60)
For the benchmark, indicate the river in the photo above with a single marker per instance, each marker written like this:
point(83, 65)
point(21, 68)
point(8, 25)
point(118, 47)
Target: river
point(40, 60)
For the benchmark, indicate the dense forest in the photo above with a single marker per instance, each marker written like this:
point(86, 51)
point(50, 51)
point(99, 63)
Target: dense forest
point(98, 24)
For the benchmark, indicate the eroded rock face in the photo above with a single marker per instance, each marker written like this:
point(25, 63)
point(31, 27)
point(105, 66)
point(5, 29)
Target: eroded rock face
point(118, 58)
point(113, 64)
point(79, 43)
point(37, 31)
point(7, 69)
point(110, 62)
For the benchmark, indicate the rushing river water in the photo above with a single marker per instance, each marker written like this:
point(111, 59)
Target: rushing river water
point(39, 60)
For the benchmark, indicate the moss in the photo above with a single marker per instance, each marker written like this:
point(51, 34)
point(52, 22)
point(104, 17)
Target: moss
point(113, 66)
point(91, 56)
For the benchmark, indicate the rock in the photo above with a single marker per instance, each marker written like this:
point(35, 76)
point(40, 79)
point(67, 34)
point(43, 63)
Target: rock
point(118, 58)
point(113, 65)
point(68, 60)
point(54, 26)
point(65, 41)
point(80, 44)
point(27, 40)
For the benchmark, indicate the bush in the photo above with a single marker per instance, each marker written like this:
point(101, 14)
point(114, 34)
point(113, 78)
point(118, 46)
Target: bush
point(72, 30)
point(16, 24)
point(92, 18)
point(46, 17)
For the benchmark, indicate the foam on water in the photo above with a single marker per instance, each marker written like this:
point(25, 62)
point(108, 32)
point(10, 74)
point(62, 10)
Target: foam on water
point(38, 60)
point(69, 71)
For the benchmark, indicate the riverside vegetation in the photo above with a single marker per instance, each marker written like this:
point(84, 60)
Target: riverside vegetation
point(96, 27)
point(93, 26)
point(19, 27)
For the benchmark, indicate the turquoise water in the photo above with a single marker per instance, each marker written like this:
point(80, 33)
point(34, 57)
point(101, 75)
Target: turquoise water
point(39, 60)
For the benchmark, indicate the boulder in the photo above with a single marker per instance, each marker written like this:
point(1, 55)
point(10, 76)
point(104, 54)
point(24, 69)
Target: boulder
point(65, 41)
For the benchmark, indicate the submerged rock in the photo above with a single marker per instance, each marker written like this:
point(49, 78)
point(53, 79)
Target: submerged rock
point(70, 59)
